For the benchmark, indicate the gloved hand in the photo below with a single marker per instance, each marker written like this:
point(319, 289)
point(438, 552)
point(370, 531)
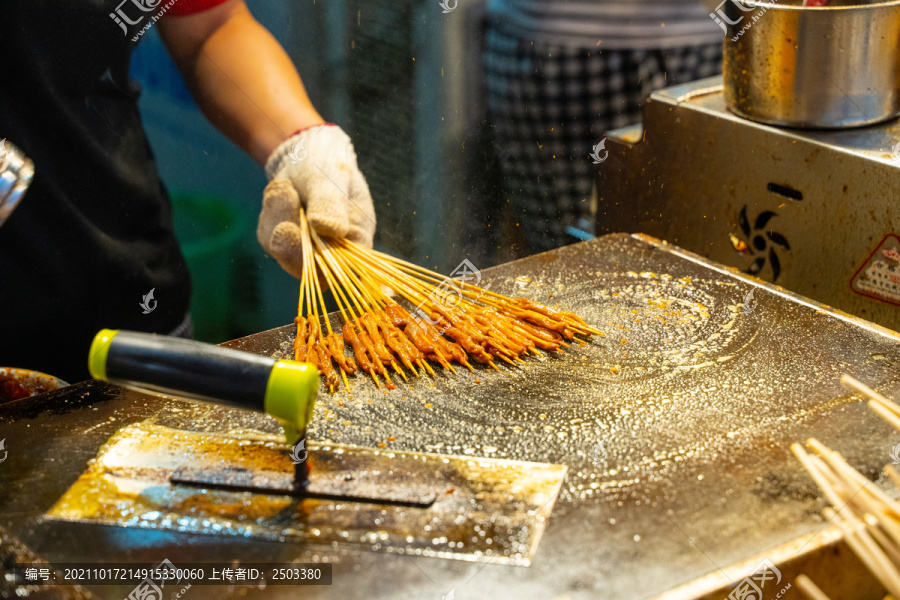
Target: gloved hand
point(316, 169)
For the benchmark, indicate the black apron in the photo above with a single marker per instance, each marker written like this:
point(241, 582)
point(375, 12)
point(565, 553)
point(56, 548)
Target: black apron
point(93, 234)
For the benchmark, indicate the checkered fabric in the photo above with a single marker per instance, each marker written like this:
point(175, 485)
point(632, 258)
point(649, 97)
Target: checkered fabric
point(548, 106)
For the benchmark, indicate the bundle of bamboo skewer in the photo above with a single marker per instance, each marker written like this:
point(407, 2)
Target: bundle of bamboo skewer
point(456, 321)
point(868, 518)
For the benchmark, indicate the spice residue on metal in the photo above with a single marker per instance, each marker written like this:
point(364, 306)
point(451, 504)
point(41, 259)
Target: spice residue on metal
point(396, 501)
point(636, 446)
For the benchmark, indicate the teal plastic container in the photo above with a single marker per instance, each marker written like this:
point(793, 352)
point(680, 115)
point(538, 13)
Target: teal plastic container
point(211, 232)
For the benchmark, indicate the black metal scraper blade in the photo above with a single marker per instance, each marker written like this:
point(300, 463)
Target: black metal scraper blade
point(324, 486)
point(149, 475)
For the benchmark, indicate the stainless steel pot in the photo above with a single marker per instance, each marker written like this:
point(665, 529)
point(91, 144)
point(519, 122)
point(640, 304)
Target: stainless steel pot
point(16, 172)
point(830, 67)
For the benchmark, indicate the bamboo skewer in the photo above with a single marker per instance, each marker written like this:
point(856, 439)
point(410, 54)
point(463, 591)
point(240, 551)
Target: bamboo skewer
point(865, 548)
point(886, 543)
point(885, 413)
point(892, 474)
point(458, 321)
point(809, 588)
point(431, 275)
point(867, 516)
point(872, 394)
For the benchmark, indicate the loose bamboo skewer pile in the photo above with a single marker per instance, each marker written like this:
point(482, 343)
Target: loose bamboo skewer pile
point(809, 588)
point(868, 518)
point(458, 321)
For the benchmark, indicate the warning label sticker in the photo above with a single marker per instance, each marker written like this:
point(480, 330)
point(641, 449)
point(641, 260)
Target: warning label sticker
point(879, 276)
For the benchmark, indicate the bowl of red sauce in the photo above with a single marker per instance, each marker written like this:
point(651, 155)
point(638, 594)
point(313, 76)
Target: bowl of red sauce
point(16, 384)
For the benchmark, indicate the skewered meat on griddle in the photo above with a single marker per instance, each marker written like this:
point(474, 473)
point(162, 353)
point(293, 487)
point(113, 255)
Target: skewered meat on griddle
point(472, 348)
point(542, 320)
point(370, 350)
point(417, 334)
point(450, 349)
point(544, 339)
point(569, 318)
point(397, 314)
point(325, 366)
point(477, 324)
point(500, 328)
point(315, 331)
point(376, 359)
point(368, 321)
point(300, 344)
point(335, 344)
point(359, 350)
point(398, 343)
point(312, 356)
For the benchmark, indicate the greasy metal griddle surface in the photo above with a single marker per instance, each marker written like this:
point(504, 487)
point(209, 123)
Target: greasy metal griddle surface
point(474, 507)
point(675, 429)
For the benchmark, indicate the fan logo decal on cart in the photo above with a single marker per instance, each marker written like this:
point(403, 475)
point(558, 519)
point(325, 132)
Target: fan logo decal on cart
point(299, 453)
point(147, 299)
point(879, 275)
point(448, 6)
point(761, 243)
point(5, 452)
point(595, 154)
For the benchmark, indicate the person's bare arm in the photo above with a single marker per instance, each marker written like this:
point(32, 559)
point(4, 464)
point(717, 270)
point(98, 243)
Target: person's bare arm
point(246, 85)
point(240, 76)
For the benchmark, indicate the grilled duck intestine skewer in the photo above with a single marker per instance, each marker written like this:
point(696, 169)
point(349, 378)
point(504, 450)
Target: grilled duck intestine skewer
point(431, 335)
point(366, 342)
point(575, 322)
point(464, 337)
point(370, 364)
point(318, 351)
point(415, 292)
point(395, 339)
point(379, 299)
point(464, 293)
point(457, 322)
point(479, 336)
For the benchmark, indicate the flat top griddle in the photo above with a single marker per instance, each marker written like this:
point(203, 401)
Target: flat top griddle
point(675, 429)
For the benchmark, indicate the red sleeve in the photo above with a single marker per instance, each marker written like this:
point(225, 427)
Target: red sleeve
point(183, 8)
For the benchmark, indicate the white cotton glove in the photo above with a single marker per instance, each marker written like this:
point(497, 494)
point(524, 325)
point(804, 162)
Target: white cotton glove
point(316, 169)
